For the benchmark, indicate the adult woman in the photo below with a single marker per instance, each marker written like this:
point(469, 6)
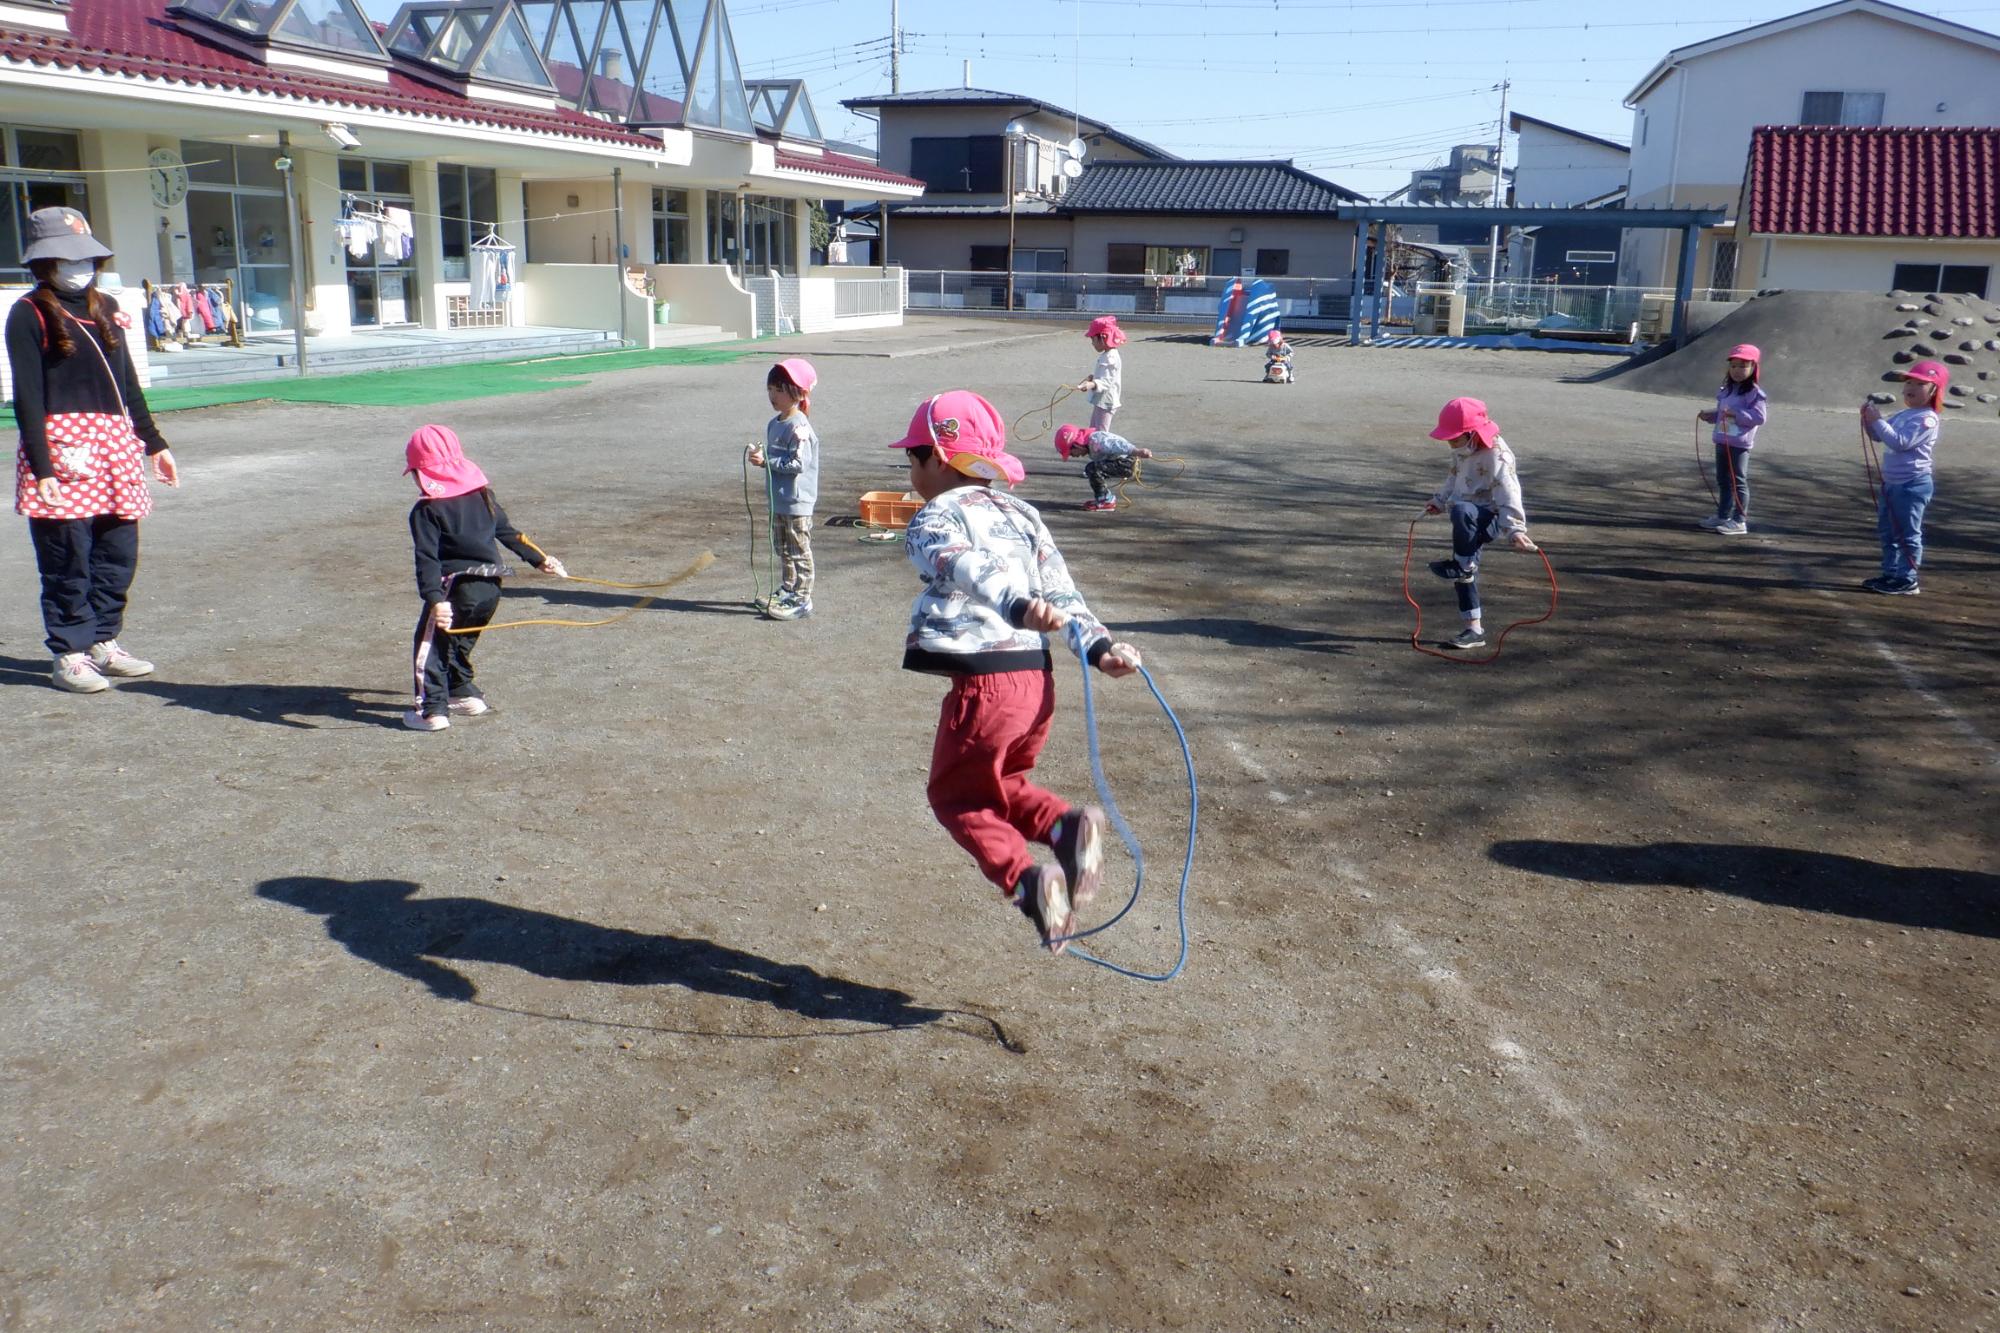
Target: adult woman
point(80, 475)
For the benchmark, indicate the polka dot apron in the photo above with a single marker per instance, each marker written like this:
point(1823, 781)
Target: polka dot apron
point(97, 457)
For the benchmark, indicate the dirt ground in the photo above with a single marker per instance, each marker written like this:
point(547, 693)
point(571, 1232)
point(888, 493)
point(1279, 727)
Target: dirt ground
point(1644, 979)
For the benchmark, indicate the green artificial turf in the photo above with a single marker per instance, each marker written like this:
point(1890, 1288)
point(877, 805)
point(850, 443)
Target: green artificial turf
point(436, 384)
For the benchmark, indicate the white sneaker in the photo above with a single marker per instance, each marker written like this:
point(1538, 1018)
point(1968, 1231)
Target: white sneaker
point(1735, 527)
point(472, 707)
point(111, 660)
point(1711, 523)
point(73, 672)
point(416, 721)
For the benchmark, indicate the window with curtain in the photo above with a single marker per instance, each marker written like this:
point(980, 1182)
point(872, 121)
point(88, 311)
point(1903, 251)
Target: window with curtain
point(469, 200)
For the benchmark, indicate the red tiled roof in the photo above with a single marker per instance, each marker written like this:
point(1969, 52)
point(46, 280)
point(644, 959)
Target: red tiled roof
point(1826, 180)
point(839, 164)
point(139, 38)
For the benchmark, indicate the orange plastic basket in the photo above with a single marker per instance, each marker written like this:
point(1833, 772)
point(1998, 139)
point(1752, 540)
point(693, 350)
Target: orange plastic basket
point(888, 509)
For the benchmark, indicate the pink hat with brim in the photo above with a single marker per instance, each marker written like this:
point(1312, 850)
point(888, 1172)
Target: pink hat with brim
point(1746, 352)
point(1461, 415)
point(800, 372)
point(967, 433)
point(441, 466)
point(1106, 327)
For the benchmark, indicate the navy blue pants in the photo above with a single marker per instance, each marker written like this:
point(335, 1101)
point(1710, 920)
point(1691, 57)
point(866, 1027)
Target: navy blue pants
point(1472, 526)
point(1732, 482)
point(446, 673)
point(87, 566)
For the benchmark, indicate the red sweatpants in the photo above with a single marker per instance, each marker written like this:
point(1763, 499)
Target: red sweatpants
point(990, 731)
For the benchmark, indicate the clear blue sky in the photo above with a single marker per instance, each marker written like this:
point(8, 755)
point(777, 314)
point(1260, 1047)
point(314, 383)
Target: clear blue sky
point(1360, 91)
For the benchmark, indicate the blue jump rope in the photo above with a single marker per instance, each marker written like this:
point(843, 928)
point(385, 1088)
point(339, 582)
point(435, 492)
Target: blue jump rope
point(1125, 830)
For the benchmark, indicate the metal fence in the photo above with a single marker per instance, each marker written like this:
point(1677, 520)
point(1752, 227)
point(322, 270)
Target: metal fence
point(1303, 302)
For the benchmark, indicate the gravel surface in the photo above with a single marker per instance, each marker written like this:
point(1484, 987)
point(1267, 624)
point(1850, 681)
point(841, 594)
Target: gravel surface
point(1645, 978)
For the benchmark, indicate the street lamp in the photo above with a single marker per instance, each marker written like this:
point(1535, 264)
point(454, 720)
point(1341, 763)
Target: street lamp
point(1014, 131)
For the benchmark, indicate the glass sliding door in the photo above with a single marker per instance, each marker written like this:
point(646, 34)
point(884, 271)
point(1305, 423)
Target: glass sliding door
point(237, 224)
point(381, 282)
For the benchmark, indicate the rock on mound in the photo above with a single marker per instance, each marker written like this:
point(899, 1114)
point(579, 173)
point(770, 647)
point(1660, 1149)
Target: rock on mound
point(1832, 349)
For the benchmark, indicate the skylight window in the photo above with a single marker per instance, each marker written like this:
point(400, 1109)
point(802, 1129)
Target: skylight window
point(469, 43)
point(781, 107)
point(645, 62)
point(312, 27)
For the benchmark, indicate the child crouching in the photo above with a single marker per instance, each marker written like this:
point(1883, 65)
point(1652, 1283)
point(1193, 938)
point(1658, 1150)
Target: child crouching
point(1107, 457)
point(994, 584)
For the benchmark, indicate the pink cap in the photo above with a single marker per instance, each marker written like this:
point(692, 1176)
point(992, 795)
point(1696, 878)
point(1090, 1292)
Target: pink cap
point(1746, 352)
point(1466, 414)
point(1106, 327)
point(800, 372)
point(1071, 440)
point(968, 434)
point(441, 466)
point(1935, 374)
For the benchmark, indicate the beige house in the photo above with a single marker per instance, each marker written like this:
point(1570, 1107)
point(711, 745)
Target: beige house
point(1849, 63)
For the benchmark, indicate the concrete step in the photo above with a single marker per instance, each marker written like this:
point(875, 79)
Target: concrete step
point(686, 335)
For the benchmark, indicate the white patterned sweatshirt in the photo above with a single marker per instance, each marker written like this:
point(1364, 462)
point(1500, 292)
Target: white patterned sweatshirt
point(1109, 377)
point(1485, 477)
point(984, 555)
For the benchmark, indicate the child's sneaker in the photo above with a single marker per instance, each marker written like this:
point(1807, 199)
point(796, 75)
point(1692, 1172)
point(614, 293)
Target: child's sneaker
point(1455, 572)
point(1711, 523)
point(1903, 587)
point(1734, 527)
point(1466, 638)
point(416, 721)
point(111, 660)
point(789, 606)
point(73, 672)
point(473, 707)
point(1043, 897)
point(1099, 506)
point(1078, 842)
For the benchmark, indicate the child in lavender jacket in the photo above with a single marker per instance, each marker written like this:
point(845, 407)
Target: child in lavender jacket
point(1740, 408)
point(1908, 439)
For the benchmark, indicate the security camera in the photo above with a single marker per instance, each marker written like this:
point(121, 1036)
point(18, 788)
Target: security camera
point(343, 136)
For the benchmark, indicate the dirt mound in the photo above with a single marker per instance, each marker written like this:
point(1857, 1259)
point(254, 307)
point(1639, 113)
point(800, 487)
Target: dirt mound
point(1830, 349)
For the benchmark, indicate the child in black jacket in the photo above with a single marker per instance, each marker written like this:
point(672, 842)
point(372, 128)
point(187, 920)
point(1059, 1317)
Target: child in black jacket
point(454, 529)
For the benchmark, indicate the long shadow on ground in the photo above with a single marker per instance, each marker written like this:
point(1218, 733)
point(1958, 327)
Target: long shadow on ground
point(1918, 897)
point(381, 920)
point(280, 705)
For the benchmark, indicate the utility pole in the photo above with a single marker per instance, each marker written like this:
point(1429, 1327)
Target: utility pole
point(895, 46)
point(1499, 148)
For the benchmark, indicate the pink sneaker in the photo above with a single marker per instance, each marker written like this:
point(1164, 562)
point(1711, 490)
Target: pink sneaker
point(1099, 506)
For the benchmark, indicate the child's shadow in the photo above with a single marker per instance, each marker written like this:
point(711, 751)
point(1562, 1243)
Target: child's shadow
point(279, 705)
point(381, 920)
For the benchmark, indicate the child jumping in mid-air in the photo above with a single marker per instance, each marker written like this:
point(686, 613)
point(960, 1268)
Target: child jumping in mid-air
point(791, 452)
point(1278, 361)
point(1740, 408)
point(454, 528)
point(994, 584)
point(1107, 457)
point(1105, 387)
point(1483, 496)
point(1908, 440)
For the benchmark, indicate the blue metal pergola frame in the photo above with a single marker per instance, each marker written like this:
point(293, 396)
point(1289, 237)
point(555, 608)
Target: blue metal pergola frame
point(1687, 221)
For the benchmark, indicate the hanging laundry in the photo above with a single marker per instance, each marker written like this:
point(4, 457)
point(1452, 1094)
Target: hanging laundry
point(398, 232)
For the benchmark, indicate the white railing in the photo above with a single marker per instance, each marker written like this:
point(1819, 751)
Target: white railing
point(857, 297)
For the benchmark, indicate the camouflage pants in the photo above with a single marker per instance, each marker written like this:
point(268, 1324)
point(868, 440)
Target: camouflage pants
point(791, 538)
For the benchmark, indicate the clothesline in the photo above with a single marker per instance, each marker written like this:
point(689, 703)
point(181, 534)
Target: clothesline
point(98, 171)
point(454, 217)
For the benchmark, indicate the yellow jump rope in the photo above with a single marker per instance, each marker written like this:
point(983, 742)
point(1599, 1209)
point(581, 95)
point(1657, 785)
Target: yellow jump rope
point(702, 561)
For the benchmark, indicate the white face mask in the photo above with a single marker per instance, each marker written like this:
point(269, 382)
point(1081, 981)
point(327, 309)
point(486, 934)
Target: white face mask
point(73, 275)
